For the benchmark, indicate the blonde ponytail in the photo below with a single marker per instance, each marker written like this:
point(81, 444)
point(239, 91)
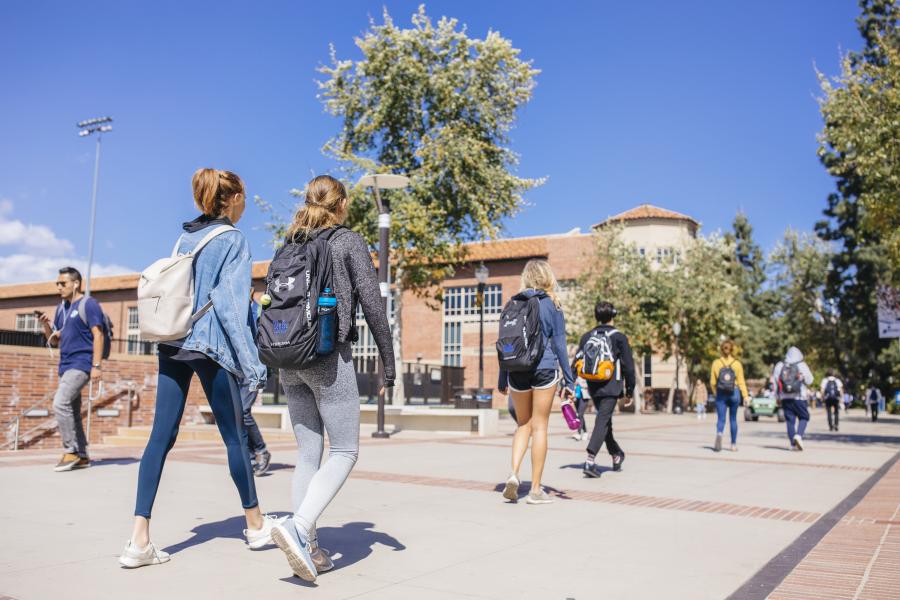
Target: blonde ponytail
point(325, 201)
point(214, 190)
point(538, 275)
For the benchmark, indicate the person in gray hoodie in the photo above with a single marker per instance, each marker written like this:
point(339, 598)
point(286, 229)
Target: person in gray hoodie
point(791, 378)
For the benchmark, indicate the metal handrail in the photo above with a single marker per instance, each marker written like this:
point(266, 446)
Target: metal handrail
point(128, 385)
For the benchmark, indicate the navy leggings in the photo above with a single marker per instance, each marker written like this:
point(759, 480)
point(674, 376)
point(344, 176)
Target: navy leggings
point(224, 398)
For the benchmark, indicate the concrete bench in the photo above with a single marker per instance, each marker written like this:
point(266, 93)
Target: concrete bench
point(478, 421)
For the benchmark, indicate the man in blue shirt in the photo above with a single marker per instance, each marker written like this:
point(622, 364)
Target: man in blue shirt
point(80, 341)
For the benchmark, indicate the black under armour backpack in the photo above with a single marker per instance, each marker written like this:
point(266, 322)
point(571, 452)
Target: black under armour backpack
point(287, 332)
point(831, 390)
point(520, 344)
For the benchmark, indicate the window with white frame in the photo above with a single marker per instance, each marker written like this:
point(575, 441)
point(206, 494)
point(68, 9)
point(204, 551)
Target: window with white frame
point(365, 351)
point(648, 371)
point(28, 322)
point(451, 350)
point(133, 332)
point(463, 301)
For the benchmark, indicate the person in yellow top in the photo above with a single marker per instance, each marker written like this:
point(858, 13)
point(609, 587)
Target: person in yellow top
point(726, 379)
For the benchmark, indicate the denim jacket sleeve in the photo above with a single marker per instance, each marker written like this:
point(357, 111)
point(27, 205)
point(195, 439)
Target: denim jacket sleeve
point(232, 308)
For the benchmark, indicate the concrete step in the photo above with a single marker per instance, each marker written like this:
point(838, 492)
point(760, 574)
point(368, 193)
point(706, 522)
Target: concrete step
point(138, 435)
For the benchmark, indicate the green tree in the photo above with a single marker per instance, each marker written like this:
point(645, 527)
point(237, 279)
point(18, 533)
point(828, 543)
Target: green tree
point(696, 291)
point(859, 147)
point(619, 274)
point(805, 316)
point(757, 338)
point(437, 105)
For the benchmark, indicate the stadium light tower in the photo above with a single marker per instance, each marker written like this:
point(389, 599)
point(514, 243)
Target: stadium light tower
point(99, 126)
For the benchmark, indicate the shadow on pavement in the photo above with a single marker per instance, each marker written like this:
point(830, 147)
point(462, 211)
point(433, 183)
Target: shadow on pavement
point(353, 542)
point(580, 466)
point(525, 487)
point(102, 462)
point(847, 438)
point(229, 528)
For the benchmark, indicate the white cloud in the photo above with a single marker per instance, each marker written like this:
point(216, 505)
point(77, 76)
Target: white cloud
point(38, 253)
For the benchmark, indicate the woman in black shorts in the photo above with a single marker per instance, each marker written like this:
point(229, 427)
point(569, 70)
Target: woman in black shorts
point(532, 391)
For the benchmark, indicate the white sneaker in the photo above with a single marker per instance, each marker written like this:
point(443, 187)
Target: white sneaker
point(257, 538)
point(132, 557)
point(798, 442)
point(538, 498)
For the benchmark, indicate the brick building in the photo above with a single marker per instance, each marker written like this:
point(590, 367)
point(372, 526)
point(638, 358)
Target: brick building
point(448, 335)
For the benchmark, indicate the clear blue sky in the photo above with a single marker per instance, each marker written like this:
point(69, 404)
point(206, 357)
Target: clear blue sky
point(700, 107)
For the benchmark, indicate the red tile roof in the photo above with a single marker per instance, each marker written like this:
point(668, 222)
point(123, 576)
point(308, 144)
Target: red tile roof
point(647, 211)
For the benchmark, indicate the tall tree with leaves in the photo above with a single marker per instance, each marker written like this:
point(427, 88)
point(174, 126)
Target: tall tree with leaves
point(860, 147)
point(757, 336)
point(437, 105)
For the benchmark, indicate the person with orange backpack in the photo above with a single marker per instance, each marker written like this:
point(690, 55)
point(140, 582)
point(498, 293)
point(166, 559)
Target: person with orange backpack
point(605, 362)
point(726, 378)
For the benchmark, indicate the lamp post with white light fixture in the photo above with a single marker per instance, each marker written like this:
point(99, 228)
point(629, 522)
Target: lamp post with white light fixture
point(481, 274)
point(385, 181)
point(99, 126)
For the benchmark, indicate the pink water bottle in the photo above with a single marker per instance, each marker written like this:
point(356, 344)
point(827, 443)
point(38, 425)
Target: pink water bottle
point(568, 412)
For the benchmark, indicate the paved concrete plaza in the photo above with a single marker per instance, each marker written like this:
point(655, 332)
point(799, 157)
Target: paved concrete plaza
point(421, 518)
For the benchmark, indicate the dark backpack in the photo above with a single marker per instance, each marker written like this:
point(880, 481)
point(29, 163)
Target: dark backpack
point(520, 344)
point(106, 326)
point(725, 381)
point(831, 390)
point(790, 380)
point(287, 332)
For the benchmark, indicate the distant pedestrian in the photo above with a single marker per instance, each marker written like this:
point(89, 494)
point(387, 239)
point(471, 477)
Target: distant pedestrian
point(77, 329)
point(726, 378)
point(260, 457)
point(874, 400)
point(791, 378)
point(605, 361)
point(580, 407)
point(700, 407)
point(832, 390)
point(848, 400)
point(532, 349)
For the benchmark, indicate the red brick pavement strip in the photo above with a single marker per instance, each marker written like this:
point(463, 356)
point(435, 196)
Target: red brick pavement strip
point(858, 558)
point(679, 504)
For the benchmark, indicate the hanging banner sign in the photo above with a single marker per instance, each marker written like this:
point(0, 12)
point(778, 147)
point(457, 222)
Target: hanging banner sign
point(888, 312)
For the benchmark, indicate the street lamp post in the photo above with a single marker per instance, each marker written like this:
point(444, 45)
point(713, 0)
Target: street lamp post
point(99, 126)
point(481, 274)
point(676, 329)
point(384, 181)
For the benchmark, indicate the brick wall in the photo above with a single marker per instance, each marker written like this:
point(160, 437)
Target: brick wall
point(28, 378)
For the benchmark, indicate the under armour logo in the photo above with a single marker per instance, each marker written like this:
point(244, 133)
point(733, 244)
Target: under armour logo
point(286, 286)
point(510, 322)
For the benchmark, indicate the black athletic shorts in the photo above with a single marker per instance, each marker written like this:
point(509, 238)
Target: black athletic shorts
point(524, 381)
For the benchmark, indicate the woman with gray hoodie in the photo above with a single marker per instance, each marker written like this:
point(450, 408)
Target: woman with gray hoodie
point(324, 396)
point(791, 378)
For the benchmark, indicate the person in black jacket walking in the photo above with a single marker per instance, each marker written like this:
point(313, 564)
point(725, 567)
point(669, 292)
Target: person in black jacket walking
point(605, 394)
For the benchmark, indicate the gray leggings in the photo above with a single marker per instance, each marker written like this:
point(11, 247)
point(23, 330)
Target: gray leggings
point(323, 396)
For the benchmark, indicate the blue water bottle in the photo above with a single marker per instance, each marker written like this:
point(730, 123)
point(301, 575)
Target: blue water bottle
point(327, 314)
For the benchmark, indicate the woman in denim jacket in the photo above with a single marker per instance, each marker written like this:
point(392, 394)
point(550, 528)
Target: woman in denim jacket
point(219, 349)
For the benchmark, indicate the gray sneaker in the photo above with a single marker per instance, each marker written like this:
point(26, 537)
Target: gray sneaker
point(321, 558)
point(263, 460)
point(296, 550)
point(538, 498)
point(511, 490)
point(718, 446)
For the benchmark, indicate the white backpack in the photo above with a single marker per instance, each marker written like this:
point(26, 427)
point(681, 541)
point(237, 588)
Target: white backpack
point(166, 294)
